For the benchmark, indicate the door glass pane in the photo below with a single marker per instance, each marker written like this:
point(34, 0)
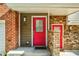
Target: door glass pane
point(56, 29)
point(39, 25)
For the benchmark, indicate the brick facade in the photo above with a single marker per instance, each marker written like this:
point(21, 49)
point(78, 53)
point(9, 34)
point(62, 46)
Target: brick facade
point(71, 37)
point(11, 18)
point(3, 9)
point(11, 28)
point(71, 33)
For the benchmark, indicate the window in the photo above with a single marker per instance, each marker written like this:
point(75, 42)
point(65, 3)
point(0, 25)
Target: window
point(39, 25)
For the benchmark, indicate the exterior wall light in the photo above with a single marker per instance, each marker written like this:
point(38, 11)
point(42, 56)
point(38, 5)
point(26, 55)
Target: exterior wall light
point(24, 19)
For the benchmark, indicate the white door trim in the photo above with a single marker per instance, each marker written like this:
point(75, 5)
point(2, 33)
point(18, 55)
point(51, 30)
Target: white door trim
point(19, 29)
point(32, 29)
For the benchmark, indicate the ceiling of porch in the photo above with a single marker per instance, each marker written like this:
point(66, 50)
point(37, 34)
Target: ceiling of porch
point(52, 8)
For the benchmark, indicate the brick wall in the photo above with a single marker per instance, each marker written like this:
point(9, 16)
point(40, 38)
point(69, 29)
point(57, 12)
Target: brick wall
point(71, 37)
point(58, 20)
point(11, 28)
point(3, 9)
point(71, 33)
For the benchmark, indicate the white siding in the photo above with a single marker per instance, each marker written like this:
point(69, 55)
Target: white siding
point(2, 36)
point(73, 19)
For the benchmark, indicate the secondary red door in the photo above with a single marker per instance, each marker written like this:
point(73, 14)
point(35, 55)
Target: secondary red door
point(58, 27)
point(39, 31)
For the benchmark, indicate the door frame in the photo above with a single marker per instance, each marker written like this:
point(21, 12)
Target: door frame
point(32, 29)
point(19, 43)
point(62, 33)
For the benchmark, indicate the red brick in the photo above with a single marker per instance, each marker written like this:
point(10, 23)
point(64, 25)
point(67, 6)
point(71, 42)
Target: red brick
point(11, 19)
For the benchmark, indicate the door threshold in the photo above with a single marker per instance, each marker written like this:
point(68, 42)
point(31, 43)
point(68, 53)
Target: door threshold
point(40, 47)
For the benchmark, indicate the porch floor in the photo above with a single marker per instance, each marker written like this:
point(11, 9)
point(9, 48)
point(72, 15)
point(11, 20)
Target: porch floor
point(70, 53)
point(31, 51)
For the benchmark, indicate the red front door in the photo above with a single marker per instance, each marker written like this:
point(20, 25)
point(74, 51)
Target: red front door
point(39, 31)
point(60, 29)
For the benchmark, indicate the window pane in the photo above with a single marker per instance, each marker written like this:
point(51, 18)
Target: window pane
point(56, 29)
point(39, 25)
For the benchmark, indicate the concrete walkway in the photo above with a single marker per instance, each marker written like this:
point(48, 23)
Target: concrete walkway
point(31, 51)
point(70, 53)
